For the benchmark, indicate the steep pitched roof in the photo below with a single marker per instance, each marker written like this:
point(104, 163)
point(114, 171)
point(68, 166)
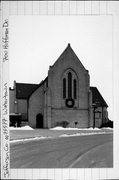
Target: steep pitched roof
point(23, 90)
point(97, 97)
point(71, 51)
point(41, 83)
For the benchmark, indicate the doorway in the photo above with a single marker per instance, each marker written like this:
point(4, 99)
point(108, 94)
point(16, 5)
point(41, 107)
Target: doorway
point(39, 121)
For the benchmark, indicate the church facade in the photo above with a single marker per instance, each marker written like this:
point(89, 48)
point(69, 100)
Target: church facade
point(66, 95)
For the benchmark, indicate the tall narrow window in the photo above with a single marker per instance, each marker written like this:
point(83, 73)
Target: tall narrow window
point(69, 85)
point(75, 93)
point(64, 88)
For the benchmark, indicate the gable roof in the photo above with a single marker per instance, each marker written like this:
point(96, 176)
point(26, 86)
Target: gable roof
point(69, 50)
point(97, 97)
point(41, 83)
point(23, 90)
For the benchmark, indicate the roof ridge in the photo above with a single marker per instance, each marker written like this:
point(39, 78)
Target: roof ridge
point(73, 53)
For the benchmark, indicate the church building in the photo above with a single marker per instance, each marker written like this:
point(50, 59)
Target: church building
point(66, 95)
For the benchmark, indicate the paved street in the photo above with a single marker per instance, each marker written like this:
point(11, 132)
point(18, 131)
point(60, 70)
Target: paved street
point(74, 152)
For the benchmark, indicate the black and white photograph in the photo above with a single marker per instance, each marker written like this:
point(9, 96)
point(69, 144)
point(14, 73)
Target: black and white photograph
point(61, 75)
point(60, 98)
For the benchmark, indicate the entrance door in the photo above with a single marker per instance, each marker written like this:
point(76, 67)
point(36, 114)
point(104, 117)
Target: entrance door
point(39, 121)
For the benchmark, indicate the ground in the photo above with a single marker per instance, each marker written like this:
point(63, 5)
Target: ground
point(61, 148)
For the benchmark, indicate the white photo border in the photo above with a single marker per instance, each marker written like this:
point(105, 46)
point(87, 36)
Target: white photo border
point(79, 8)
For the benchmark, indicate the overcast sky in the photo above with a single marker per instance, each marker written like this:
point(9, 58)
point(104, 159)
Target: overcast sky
point(36, 42)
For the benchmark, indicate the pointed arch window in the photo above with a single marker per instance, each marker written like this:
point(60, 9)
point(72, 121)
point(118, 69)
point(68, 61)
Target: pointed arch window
point(69, 85)
point(64, 88)
point(75, 87)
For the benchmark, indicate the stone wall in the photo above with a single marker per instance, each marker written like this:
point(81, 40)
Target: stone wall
point(22, 108)
point(35, 106)
point(71, 116)
point(69, 62)
point(12, 100)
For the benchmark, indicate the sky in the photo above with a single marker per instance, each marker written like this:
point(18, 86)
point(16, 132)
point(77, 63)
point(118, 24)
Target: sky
point(36, 42)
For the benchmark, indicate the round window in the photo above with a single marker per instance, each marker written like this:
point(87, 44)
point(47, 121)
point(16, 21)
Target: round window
point(69, 103)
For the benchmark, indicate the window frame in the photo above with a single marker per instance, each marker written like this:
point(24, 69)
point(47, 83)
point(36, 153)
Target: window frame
point(71, 92)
